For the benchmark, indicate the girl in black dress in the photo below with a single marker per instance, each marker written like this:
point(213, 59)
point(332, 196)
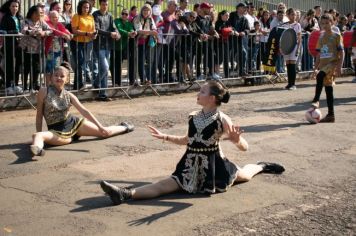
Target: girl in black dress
point(203, 168)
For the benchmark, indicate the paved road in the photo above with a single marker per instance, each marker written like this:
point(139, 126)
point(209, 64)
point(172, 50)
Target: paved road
point(59, 195)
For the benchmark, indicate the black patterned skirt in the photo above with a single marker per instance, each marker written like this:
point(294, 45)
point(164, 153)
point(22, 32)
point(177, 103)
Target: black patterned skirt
point(205, 172)
point(67, 128)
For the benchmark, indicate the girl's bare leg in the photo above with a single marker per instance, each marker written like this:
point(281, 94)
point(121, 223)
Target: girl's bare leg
point(39, 138)
point(247, 172)
point(90, 129)
point(162, 187)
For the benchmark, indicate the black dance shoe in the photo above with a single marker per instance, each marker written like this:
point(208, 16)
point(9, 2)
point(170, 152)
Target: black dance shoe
point(272, 168)
point(116, 194)
point(129, 127)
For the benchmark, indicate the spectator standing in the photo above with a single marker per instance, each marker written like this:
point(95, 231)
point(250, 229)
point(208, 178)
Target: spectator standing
point(240, 24)
point(318, 11)
point(83, 27)
point(11, 23)
point(189, 47)
point(265, 29)
point(43, 12)
point(133, 13)
point(54, 44)
point(104, 24)
point(124, 49)
point(183, 6)
point(277, 22)
point(35, 30)
point(146, 30)
point(67, 13)
point(93, 6)
point(203, 50)
point(225, 30)
point(55, 6)
point(62, 18)
point(166, 60)
point(47, 6)
point(309, 23)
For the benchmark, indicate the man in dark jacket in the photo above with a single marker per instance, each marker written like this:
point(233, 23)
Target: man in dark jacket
point(104, 25)
point(240, 24)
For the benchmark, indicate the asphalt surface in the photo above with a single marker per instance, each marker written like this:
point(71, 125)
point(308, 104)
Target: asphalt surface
point(60, 195)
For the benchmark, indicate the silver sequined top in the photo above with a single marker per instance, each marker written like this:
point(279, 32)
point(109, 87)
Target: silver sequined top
point(56, 106)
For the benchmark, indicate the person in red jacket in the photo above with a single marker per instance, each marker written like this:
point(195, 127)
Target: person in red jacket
point(54, 44)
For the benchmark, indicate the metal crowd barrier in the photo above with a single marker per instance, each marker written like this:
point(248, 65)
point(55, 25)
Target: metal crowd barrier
point(176, 59)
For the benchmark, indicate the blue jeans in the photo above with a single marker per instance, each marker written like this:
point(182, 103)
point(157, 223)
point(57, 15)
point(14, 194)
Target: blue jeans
point(280, 64)
point(100, 71)
point(79, 55)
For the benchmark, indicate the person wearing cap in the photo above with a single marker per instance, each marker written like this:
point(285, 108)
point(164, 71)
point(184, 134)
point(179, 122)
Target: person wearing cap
point(124, 49)
point(42, 11)
point(203, 49)
point(103, 44)
point(165, 65)
point(147, 34)
point(241, 27)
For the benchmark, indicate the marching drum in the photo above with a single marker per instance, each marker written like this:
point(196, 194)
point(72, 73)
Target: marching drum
point(288, 41)
point(280, 39)
point(347, 37)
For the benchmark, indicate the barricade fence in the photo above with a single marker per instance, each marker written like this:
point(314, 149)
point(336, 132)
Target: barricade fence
point(27, 66)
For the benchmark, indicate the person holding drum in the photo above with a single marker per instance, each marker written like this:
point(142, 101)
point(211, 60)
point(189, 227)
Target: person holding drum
point(329, 63)
point(292, 57)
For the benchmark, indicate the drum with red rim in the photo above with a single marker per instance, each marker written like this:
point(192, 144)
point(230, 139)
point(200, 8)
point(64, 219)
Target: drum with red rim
point(312, 42)
point(347, 36)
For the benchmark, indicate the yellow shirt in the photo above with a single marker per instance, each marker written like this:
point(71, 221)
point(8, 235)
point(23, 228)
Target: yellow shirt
point(85, 24)
point(328, 46)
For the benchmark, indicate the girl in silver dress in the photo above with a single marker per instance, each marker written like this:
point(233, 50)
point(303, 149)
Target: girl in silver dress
point(53, 103)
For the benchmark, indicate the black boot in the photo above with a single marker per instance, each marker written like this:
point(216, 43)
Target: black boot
point(272, 168)
point(116, 194)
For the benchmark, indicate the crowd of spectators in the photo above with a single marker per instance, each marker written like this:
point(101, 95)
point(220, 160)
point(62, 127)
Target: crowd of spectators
point(168, 45)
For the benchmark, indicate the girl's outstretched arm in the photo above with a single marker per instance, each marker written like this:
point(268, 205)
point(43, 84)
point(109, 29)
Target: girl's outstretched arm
point(39, 114)
point(234, 133)
point(180, 140)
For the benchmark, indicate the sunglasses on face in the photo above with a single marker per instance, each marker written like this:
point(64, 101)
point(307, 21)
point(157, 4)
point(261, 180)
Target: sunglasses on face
point(124, 14)
point(68, 4)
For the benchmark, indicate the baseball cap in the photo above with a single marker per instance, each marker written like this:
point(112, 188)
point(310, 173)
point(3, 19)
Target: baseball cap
point(41, 4)
point(241, 4)
point(205, 5)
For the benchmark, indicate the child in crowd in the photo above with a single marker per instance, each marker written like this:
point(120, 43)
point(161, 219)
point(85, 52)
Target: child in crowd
point(53, 103)
point(329, 63)
point(291, 58)
point(203, 168)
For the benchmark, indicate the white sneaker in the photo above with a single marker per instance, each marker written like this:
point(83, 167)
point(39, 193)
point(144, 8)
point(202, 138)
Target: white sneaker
point(216, 76)
point(10, 91)
point(18, 90)
point(201, 77)
point(293, 88)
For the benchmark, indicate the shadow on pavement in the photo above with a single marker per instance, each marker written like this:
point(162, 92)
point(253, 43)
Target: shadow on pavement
point(93, 203)
point(263, 128)
point(303, 106)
